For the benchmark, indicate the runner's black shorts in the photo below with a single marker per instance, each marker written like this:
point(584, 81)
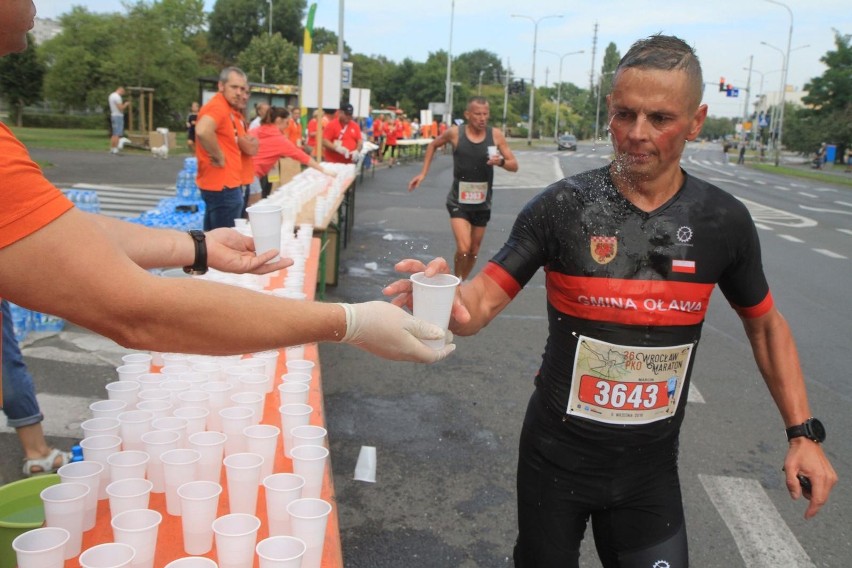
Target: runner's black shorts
point(632, 496)
point(476, 217)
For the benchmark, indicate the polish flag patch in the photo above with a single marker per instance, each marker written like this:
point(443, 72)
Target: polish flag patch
point(683, 266)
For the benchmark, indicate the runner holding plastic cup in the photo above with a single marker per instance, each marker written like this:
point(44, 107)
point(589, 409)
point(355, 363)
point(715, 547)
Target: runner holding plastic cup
point(433, 301)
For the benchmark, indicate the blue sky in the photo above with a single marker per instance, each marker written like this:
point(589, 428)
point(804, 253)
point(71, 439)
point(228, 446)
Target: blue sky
point(725, 33)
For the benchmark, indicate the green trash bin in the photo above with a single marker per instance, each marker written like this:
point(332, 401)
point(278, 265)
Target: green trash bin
point(21, 510)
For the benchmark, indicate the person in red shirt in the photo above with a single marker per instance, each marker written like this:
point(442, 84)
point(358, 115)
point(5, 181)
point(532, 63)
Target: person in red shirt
point(379, 128)
point(294, 128)
point(342, 140)
point(394, 132)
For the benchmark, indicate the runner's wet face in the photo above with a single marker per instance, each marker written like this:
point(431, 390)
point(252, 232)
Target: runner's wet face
point(235, 91)
point(652, 113)
point(477, 115)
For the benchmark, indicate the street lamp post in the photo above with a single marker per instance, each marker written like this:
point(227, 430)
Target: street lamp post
point(270, 17)
point(506, 93)
point(532, 78)
point(448, 101)
point(598, 107)
point(559, 86)
point(783, 81)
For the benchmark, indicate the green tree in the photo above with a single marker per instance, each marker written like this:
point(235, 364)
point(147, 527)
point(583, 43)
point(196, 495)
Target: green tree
point(374, 73)
point(717, 127)
point(325, 41)
point(21, 78)
point(271, 60)
point(466, 68)
point(233, 23)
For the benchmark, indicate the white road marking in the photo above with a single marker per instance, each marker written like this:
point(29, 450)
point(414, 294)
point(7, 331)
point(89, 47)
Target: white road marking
point(811, 195)
point(763, 227)
point(781, 187)
point(693, 395)
point(846, 231)
point(824, 210)
point(844, 203)
point(791, 238)
point(557, 169)
point(759, 182)
point(830, 254)
point(770, 215)
point(763, 538)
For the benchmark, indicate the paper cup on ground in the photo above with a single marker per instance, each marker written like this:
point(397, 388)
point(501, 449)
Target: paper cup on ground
point(192, 562)
point(281, 489)
point(128, 464)
point(99, 448)
point(179, 466)
point(107, 408)
point(242, 472)
point(65, 507)
point(196, 419)
point(236, 537)
point(433, 301)
point(294, 393)
point(128, 494)
point(309, 518)
point(281, 552)
point(292, 415)
point(138, 528)
point(199, 502)
point(310, 462)
point(89, 474)
point(123, 390)
point(109, 555)
point(365, 468)
point(309, 435)
point(262, 439)
point(265, 221)
point(211, 447)
point(134, 423)
point(101, 426)
point(41, 548)
point(234, 420)
point(156, 442)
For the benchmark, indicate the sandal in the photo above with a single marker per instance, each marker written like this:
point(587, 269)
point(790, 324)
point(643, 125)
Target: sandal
point(47, 464)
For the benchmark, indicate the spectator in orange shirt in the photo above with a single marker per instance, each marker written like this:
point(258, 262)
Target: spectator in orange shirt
point(294, 128)
point(406, 128)
point(311, 142)
point(379, 128)
point(394, 132)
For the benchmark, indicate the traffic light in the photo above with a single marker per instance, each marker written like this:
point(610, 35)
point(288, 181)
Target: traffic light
point(722, 84)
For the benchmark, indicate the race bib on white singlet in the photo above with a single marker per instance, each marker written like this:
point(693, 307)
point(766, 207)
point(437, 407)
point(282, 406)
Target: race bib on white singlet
point(472, 192)
point(619, 384)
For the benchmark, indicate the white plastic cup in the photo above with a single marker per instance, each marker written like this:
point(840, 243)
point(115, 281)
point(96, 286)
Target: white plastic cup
point(243, 476)
point(179, 466)
point(251, 399)
point(108, 555)
point(265, 221)
point(270, 360)
point(192, 562)
point(157, 408)
point(131, 372)
point(295, 377)
point(125, 390)
point(107, 408)
point(220, 392)
point(433, 301)
point(301, 366)
point(309, 435)
point(133, 424)
point(309, 518)
point(89, 474)
point(175, 387)
point(492, 151)
point(212, 369)
point(172, 424)
point(281, 552)
point(234, 420)
point(128, 494)
point(155, 393)
point(199, 503)
point(101, 426)
point(293, 393)
point(236, 537)
point(138, 359)
point(65, 507)
point(295, 351)
point(194, 398)
point(174, 358)
point(128, 464)
point(310, 462)
point(138, 528)
point(292, 415)
point(262, 439)
point(253, 382)
point(99, 448)
point(211, 447)
point(156, 442)
point(150, 381)
point(280, 490)
point(365, 467)
point(41, 548)
point(232, 373)
point(196, 419)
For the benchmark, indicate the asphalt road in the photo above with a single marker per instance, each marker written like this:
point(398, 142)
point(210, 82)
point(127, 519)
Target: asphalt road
point(446, 435)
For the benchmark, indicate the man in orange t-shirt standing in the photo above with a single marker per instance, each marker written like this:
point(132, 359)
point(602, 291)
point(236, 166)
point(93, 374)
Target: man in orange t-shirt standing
point(221, 142)
point(294, 128)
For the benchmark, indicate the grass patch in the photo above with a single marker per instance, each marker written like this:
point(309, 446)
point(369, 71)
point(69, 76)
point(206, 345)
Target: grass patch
point(811, 174)
point(78, 139)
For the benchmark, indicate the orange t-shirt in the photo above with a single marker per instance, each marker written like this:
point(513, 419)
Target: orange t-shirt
point(406, 129)
point(433, 130)
point(229, 125)
point(294, 132)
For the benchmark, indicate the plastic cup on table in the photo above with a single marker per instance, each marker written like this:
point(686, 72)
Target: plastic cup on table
point(156, 359)
point(175, 370)
point(175, 387)
point(309, 518)
point(242, 472)
point(234, 420)
point(156, 393)
point(99, 448)
point(131, 372)
point(65, 507)
point(292, 415)
point(41, 548)
point(157, 408)
point(133, 424)
point(192, 562)
point(128, 464)
point(172, 424)
point(270, 360)
point(138, 528)
point(265, 222)
point(253, 382)
point(128, 494)
point(199, 502)
point(310, 463)
point(211, 447)
point(101, 426)
point(294, 352)
point(252, 400)
point(196, 419)
point(293, 393)
point(194, 398)
point(304, 378)
point(179, 466)
point(157, 442)
point(220, 392)
point(107, 408)
point(108, 555)
point(280, 490)
point(89, 474)
point(309, 435)
point(123, 390)
point(280, 552)
point(236, 537)
point(300, 366)
point(150, 381)
point(138, 359)
point(174, 358)
point(262, 439)
point(433, 301)
point(232, 373)
point(255, 364)
point(194, 379)
point(212, 369)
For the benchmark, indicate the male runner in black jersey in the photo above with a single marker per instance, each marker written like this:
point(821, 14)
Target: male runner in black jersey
point(469, 200)
point(632, 252)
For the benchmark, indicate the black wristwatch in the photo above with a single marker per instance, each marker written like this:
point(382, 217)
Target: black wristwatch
point(198, 267)
point(502, 161)
point(811, 428)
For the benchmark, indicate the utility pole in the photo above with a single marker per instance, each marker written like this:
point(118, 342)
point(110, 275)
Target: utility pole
point(448, 98)
point(747, 97)
point(506, 94)
point(594, 52)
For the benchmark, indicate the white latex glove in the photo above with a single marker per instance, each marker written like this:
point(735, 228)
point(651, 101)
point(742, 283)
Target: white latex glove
point(356, 156)
point(390, 332)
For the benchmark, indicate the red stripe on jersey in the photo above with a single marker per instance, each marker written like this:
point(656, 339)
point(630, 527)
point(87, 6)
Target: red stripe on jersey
point(502, 278)
point(758, 310)
point(631, 302)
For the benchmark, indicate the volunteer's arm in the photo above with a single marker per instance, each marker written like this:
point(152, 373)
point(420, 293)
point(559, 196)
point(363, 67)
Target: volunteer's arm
point(205, 134)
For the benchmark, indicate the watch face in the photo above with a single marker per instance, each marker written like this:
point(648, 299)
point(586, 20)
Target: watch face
point(817, 429)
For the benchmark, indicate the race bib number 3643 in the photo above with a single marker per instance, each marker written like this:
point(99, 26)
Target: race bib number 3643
point(620, 384)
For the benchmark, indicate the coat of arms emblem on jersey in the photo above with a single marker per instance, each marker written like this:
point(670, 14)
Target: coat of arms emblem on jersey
point(603, 249)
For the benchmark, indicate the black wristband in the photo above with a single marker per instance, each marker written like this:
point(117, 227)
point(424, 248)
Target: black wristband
point(502, 161)
point(198, 267)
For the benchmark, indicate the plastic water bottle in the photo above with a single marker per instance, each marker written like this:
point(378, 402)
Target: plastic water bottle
point(76, 453)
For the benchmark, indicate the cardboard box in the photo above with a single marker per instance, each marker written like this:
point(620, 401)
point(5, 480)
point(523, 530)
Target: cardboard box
point(155, 140)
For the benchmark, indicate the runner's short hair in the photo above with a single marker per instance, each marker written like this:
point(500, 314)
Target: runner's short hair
point(665, 53)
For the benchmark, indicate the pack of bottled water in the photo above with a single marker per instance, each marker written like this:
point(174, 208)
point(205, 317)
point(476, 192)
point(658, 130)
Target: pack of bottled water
point(25, 321)
point(185, 187)
point(84, 199)
point(173, 213)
